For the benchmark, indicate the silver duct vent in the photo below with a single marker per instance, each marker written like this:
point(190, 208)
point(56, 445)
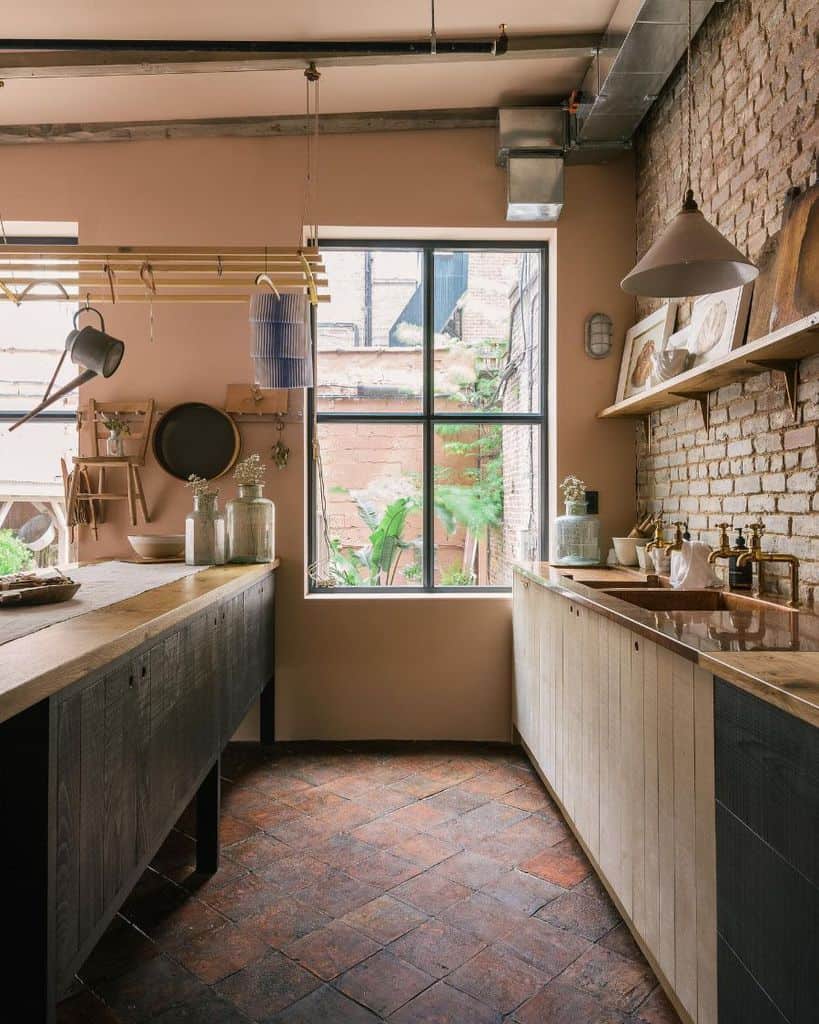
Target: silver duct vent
point(531, 141)
point(618, 90)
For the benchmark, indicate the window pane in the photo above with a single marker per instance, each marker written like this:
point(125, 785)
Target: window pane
point(487, 502)
point(487, 330)
point(32, 339)
point(31, 492)
point(373, 485)
point(370, 337)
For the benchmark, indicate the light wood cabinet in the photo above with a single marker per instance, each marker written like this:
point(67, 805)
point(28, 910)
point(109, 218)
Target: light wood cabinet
point(621, 730)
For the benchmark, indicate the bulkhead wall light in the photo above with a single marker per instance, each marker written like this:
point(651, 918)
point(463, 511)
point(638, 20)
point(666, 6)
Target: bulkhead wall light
point(599, 332)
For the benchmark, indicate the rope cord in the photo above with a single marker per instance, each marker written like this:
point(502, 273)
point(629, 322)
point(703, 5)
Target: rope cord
point(690, 104)
point(319, 571)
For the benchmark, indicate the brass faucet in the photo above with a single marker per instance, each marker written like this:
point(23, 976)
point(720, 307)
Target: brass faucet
point(658, 540)
point(677, 543)
point(757, 555)
point(724, 550)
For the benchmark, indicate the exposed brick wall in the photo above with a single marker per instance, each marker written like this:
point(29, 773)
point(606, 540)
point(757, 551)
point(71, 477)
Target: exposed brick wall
point(755, 81)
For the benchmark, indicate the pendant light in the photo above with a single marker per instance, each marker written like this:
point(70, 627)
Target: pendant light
point(690, 257)
point(281, 346)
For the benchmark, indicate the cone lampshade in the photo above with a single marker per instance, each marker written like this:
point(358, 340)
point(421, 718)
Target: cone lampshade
point(689, 258)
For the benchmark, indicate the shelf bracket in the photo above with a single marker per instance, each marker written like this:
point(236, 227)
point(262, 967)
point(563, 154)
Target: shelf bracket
point(647, 428)
point(789, 368)
point(701, 397)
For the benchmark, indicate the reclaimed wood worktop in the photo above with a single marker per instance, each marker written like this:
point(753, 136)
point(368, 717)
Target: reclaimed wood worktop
point(776, 658)
point(39, 665)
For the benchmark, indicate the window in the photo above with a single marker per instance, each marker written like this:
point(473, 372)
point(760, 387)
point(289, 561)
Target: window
point(430, 410)
point(32, 506)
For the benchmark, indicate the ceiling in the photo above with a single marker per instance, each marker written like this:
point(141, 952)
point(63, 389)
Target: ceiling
point(435, 84)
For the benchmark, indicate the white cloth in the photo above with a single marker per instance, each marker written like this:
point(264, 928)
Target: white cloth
point(103, 583)
point(690, 569)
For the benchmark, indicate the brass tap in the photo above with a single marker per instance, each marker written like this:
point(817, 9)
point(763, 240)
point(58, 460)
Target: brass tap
point(658, 540)
point(756, 555)
point(724, 550)
point(677, 543)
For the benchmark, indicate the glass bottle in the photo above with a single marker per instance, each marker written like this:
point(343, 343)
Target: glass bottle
point(251, 526)
point(577, 536)
point(205, 532)
point(115, 444)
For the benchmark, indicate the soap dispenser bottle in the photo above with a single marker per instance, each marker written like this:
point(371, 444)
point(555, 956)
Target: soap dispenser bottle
point(740, 578)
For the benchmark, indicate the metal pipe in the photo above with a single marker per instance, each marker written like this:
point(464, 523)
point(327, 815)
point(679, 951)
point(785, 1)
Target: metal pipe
point(313, 47)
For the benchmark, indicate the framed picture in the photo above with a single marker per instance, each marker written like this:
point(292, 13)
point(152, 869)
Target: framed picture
point(642, 341)
point(718, 323)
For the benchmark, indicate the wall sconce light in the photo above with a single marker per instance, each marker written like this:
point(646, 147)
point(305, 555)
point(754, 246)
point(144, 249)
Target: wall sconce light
point(599, 333)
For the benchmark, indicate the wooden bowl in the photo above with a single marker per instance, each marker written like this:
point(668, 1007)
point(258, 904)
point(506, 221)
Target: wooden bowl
point(158, 545)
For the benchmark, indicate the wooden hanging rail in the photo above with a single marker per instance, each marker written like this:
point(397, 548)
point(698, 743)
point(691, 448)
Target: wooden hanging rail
point(157, 274)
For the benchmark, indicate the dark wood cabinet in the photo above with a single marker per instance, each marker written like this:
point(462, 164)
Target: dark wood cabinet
point(118, 756)
point(767, 790)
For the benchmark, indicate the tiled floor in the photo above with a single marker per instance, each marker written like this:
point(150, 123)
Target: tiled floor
point(419, 884)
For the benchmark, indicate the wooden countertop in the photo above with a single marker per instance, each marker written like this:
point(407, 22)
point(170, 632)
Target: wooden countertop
point(780, 659)
point(36, 666)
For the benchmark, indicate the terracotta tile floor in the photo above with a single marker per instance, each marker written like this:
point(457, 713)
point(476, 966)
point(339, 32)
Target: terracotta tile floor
point(408, 883)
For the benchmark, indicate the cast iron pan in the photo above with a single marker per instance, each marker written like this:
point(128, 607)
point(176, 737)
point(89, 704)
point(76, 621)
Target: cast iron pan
point(196, 438)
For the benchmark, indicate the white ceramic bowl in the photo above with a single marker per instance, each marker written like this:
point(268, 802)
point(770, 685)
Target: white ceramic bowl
point(626, 548)
point(158, 545)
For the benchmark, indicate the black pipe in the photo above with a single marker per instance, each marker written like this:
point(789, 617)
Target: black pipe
point(250, 46)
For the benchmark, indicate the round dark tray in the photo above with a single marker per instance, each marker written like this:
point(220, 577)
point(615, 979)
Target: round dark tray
point(195, 438)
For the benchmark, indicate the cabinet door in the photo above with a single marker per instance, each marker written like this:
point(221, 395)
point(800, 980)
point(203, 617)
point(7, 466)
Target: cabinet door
point(103, 800)
point(550, 682)
point(767, 787)
point(527, 657)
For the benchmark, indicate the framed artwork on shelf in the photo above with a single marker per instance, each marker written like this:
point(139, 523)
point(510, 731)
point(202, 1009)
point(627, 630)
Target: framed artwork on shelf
point(718, 323)
point(643, 341)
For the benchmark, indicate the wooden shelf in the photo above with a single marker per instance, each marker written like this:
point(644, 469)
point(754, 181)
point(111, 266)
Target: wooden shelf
point(780, 350)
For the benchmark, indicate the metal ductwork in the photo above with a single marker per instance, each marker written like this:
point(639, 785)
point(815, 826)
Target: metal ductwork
point(531, 143)
point(650, 37)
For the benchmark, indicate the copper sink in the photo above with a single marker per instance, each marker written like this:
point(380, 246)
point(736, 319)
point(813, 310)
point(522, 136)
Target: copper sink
point(607, 585)
point(667, 600)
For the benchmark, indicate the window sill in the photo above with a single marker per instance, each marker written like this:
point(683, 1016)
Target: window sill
point(331, 594)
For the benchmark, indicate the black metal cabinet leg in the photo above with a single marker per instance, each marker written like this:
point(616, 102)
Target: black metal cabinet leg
point(208, 798)
point(267, 713)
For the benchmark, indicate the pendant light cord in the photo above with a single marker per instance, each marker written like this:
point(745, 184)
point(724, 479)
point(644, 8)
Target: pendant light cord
point(320, 571)
point(689, 192)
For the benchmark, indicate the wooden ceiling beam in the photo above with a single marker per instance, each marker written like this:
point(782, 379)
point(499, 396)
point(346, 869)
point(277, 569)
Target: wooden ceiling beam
point(251, 127)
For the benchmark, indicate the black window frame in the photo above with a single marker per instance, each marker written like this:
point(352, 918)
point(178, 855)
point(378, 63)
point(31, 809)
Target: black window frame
point(47, 415)
point(428, 418)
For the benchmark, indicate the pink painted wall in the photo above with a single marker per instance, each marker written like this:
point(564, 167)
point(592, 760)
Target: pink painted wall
point(346, 666)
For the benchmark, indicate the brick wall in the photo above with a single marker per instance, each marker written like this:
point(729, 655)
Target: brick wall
point(754, 74)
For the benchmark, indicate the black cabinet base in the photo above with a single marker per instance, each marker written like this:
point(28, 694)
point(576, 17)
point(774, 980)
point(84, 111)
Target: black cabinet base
point(207, 821)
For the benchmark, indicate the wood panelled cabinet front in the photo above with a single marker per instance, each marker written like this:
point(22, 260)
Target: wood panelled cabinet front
point(767, 764)
point(621, 730)
point(133, 744)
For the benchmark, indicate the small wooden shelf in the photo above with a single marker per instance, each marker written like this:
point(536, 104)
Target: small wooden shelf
point(780, 350)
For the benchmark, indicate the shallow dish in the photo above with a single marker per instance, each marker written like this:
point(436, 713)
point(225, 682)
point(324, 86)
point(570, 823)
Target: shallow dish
point(158, 545)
